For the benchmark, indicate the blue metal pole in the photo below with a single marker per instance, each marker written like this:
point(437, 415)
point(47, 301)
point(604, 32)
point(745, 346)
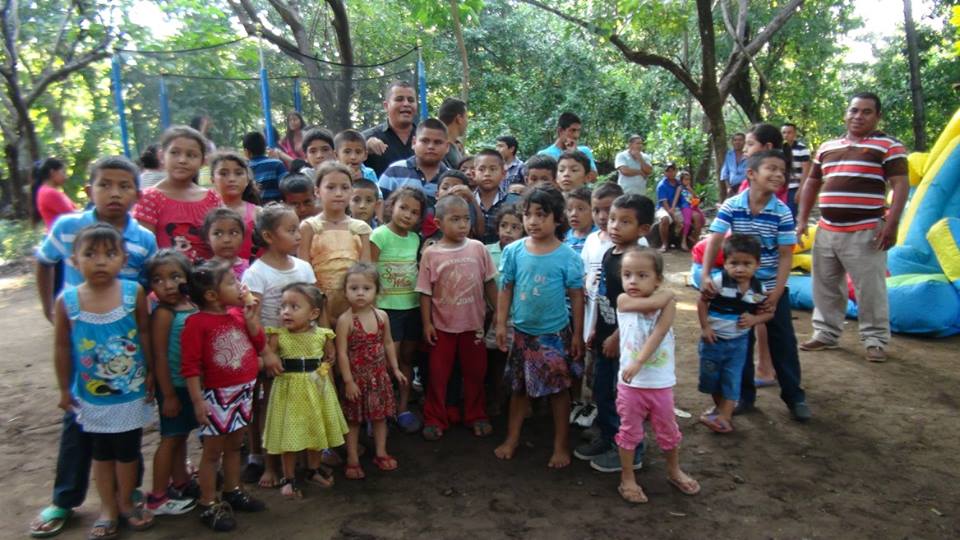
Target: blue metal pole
point(118, 99)
point(297, 98)
point(164, 104)
point(265, 103)
point(422, 85)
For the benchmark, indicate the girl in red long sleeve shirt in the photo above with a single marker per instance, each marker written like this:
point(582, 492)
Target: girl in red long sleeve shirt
point(219, 362)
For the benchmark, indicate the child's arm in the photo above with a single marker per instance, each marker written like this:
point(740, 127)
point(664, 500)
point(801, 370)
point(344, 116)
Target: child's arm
point(658, 300)
point(160, 329)
point(783, 272)
point(199, 405)
point(61, 356)
point(374, 252)
point(306, 239)
point(490, 292)
point(45, 273)
point(576, 306)
point(251, 316)
point(146, 344)
point(749, 320)
point(706, 331)
point(364, 248)
point(350, 389)
point(329, 351)
point(271, 356)
point(426, 317)
point(653, 342)
point(504, 298)
point(391, 350)
point(707, 287)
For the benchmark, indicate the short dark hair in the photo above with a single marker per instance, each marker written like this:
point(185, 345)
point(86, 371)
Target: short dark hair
point(510, 141)
point(316, 134)
point(551, 200)
point(295, 183)
point(255, 143)
point(405, 192)
point(251, 193)
point(167, 256)
point(489, 152)
point(577, 156)
point(447, 203)
point(635, 137)
point(641, 205)
point(464, 160)
point(608, 189)
point(349, 135)
point(187, 132)
point(868, 95)
point(582, 193)
point(204, 277)
point(149, 158)
point(643, 251)
point(511, 209)
point(119, 163)
point(741, 243)
point(366, 183)
point(790, 124)
point(454, 173)
point(541, 162)
point(96, 234)
point(431, 123)
point(396, 83)
point(216, 215)
point(567, 119)
point(738, 134)
point(450, 109)
point(754, 161)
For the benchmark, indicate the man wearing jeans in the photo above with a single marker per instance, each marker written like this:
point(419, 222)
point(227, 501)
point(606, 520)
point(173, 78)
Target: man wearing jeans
point(851, 176)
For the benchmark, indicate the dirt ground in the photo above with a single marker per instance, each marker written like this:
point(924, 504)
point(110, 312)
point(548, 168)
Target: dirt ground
point(879, 459)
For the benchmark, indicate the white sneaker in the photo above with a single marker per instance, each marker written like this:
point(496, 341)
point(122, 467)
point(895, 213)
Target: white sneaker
point(171, 507)
point(575, 411)
point(587, 415)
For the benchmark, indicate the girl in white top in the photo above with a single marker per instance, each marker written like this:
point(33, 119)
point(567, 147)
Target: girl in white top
point(647, 373)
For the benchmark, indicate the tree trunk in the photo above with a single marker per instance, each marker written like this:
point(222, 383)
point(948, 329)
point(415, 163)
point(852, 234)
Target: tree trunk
point(718, 135)
point(461, 46)
point(341, 25)
point(18, 195)
point(916, 88)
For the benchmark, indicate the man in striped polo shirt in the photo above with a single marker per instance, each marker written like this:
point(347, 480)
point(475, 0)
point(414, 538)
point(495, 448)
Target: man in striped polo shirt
point(800, 167)
point(851, 176)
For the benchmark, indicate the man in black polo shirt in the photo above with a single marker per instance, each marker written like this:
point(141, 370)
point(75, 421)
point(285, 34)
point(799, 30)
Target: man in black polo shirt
point(392, 141)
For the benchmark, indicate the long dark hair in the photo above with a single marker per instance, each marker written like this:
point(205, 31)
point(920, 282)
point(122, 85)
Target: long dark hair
point(768, 134)
point(288, 136)
point(41, 173)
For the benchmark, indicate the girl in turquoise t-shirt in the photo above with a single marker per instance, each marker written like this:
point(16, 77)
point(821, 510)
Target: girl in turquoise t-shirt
point(394, 248)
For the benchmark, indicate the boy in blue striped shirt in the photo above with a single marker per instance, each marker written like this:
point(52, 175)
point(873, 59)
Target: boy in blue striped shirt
point(758, 213)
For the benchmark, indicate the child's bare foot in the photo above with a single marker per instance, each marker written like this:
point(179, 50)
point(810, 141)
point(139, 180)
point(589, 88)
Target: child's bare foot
point(289, 489)
point(559, 459)
point(506, 450)
point(632, 494)
point(269, 479)
point(684, 482)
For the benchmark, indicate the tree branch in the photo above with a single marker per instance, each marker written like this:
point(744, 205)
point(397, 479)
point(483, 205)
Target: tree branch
point(775, 24)
point(738, 35)
point(288, 15)
point(97, 53)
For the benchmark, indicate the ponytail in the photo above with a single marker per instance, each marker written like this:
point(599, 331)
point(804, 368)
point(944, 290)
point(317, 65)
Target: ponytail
point(41, 173)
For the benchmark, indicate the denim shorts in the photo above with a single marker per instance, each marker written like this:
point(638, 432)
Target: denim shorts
point(721, 366)
point(182, 424)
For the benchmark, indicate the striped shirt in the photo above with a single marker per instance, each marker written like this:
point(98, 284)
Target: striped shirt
point(855, 178)
point(406, 172)
point(801, 155)
point(729, 304)
point(773, 226)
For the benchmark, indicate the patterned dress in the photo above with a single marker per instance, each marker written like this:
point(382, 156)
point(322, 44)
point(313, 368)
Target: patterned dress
point(368, 364)
point(303, 412)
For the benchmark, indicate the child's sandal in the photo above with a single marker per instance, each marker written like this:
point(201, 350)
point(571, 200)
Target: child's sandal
point(386, 463)
point(320, 476)
point(289, 489)
point(354, 472)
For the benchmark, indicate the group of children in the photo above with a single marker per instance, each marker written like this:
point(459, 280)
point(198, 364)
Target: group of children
point(304, 319)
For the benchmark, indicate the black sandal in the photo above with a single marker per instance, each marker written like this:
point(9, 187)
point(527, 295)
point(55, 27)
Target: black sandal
point(295, 492)
point(325, 474)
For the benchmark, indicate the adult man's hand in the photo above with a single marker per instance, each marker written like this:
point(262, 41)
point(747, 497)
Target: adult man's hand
point(376, 146)
point(886, 235)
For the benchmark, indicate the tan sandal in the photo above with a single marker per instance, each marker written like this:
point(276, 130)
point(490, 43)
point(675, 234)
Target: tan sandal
point(690, 487)
point(632, 495)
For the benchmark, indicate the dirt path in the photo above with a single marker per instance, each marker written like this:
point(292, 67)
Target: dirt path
point(879, 460)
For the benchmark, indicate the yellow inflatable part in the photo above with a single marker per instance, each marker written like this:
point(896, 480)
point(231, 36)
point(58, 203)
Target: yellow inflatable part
point(945, 246)
point(946, 136)
point(917, 201)
point(803, 261)
point(806, 243)
point(917, 161)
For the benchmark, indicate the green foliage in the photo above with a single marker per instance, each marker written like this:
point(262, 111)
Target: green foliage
point(17, 239)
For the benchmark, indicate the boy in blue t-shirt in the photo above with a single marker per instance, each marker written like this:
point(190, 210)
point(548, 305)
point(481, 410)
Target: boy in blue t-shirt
point(267, 171)
point(757, 212)
point(726, 320)
point(580, 218)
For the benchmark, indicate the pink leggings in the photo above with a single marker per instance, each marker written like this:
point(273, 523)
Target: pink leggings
point(688, 213)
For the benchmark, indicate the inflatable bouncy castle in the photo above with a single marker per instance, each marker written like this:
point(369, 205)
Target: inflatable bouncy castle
point(924, 266)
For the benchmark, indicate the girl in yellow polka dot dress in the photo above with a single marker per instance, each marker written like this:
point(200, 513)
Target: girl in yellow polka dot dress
point(303, 412)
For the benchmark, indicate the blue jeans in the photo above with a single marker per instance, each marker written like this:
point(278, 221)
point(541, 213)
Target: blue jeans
point(721, 365)
point(783, 352)
point(73, 464)
point(605, 371)
point(792, 201)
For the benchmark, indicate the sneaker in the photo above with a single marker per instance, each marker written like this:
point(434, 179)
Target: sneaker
point(815, 344)
point(609, 461)
point(800, 412)
point(876, 354)
point(166, 506)
point(590, 433)
point(408, 422)
point(587, 415)
point(218, 516)
point(417, 383)
point(592, 449)
point(575, 412)
point(189, 490)
point(243, 502)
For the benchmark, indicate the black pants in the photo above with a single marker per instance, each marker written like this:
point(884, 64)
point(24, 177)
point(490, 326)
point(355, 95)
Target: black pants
point(783, 352)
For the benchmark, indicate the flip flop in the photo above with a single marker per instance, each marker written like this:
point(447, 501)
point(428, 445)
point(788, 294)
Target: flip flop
point(354, 472)
point(432, 433)
point(50, 521)
point(141, 514)
point(107, 527)
point(482, 428)
point(764, 383)
point(687, 488)
point(715, 423)
point(632, 495)
point(386, 463)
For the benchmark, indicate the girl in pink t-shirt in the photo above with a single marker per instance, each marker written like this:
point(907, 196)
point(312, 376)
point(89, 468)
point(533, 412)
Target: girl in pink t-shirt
point(49, 202)
point(233, 181)
point(175, 208)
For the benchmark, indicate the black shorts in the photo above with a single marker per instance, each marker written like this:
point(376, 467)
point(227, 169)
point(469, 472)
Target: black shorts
point(123, 447)
point(405, 324)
